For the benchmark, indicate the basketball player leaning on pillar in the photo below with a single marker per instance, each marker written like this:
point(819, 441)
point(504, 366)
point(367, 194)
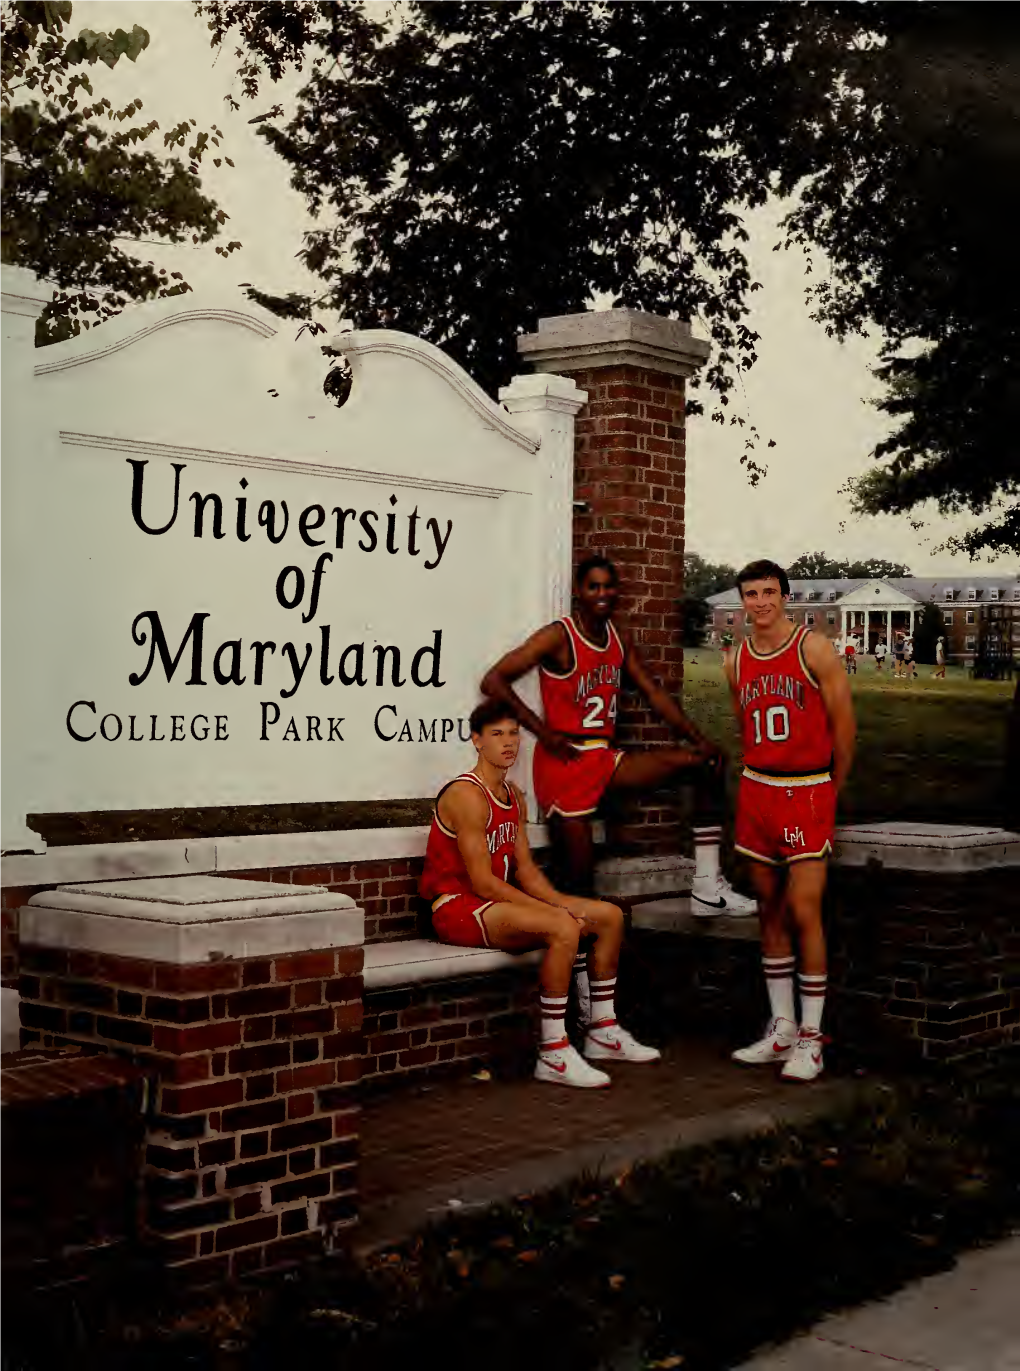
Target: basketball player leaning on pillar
point(796, 716)
point(582, 662)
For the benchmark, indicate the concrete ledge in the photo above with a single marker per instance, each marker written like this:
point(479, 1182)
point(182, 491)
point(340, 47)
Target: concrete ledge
point(246, 852)
point(188, 919)
point(637, 877)
point(908, 846)
point(419, 960)
point(676, 916)
point(614, 337)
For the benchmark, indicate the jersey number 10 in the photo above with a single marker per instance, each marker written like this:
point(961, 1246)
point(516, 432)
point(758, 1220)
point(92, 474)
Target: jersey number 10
point(777, 724)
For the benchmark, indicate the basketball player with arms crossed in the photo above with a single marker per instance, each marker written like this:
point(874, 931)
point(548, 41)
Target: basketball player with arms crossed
point(486, 891)
point(793, 701)
point(582, 662)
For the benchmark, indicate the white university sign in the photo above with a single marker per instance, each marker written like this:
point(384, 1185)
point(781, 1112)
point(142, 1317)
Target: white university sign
point(221, 589)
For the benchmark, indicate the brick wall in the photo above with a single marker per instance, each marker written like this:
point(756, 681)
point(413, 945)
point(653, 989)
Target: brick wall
point(70, 1210)
point(252, 1147)
point(387, 890)
point(925, 966)
point(450, 1027)
point(11, 900)
point(629, 468)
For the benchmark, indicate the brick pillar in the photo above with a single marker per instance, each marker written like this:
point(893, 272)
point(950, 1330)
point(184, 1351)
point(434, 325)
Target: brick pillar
point(244, 1000)
point(629, 465)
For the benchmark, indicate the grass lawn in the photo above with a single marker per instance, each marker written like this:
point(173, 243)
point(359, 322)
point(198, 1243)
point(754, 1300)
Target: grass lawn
point(928, 750)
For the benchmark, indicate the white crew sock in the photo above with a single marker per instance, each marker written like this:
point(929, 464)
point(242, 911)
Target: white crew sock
point(554, 1028)
point(603, 1010)
point(583, 988)
point(812, 1002)
point(706, 853)
point(779, 983)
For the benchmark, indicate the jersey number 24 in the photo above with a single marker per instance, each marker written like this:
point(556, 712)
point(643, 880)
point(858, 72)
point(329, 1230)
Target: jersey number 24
point(594, 708)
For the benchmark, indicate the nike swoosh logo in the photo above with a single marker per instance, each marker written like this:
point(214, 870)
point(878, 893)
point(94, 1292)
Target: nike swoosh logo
point(557, 1066)
point(780, 1047)
point(720, 903)
point(609, 1046)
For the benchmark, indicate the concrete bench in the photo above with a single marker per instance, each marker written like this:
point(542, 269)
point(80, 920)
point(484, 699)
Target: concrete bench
point(417, 961)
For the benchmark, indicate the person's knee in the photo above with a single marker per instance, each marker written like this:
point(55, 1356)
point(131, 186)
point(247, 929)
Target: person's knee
point(563, 930)
point(607, 917)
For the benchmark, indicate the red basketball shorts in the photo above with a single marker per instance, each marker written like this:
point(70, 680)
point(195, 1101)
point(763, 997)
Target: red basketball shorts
point(573, 789)
point(780, 821)
point(458, 919)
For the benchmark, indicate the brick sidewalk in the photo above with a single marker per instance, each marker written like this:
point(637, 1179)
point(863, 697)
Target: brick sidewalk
point(477, 1143)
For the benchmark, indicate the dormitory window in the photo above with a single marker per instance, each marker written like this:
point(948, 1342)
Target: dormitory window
point(970, 616)
point(831, 616)
point(729, 618)
point(810, 618)
point(971, 642)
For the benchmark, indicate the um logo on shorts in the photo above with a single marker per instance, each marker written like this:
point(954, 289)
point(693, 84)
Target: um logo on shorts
point(793, 837)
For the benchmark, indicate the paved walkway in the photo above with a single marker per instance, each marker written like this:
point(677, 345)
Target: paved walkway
point(454, 1146)
point(967, 1319)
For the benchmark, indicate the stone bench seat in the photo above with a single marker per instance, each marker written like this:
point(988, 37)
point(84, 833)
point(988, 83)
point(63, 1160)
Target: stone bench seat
point(421, 961)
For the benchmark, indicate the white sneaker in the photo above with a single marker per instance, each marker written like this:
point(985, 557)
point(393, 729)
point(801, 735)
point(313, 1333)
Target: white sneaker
point(778, 1045)
point(715, 895)
point(566, 1066)
point(609, 1042)
point(805, 1061)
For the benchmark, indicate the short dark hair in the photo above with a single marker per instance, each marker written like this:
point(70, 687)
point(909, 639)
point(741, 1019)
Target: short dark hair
point(595, 562)
point(763, 570)
point(490, 711)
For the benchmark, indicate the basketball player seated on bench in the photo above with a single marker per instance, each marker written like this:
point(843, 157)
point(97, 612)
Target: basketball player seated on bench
point(486, 891)
point(582, 662)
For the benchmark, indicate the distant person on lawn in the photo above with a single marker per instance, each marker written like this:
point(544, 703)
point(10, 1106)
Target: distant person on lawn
point(940, 659)
point(486, 891)
point(909, 665)
point(898, 642)
point(796, 719)
point(881, 652)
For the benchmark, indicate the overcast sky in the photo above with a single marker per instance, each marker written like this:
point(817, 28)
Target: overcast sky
point(811, 394)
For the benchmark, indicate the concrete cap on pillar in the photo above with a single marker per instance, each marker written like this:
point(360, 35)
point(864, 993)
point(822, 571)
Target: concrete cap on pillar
point(188, 919)
point(611, 338)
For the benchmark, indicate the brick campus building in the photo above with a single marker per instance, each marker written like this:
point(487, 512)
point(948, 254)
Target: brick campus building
point(981, 613)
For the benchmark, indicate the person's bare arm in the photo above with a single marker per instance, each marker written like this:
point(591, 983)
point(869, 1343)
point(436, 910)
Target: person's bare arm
point(548, 644)
point(463, 810)
point(834, 685)
point(729, 667)
point(662, 702)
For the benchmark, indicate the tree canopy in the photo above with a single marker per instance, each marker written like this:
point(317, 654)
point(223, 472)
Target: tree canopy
point(820, 566)
point(915, 203)
point(608, 153)
point(702, 578)
point(611, 152)
point(78, 180)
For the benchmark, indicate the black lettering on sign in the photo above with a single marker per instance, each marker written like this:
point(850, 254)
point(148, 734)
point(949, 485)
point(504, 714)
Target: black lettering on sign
point(159, 644)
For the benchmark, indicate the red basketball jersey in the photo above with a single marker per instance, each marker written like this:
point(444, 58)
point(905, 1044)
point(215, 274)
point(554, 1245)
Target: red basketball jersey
point(583, 701)
point(444, 872)
point(784, 722)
